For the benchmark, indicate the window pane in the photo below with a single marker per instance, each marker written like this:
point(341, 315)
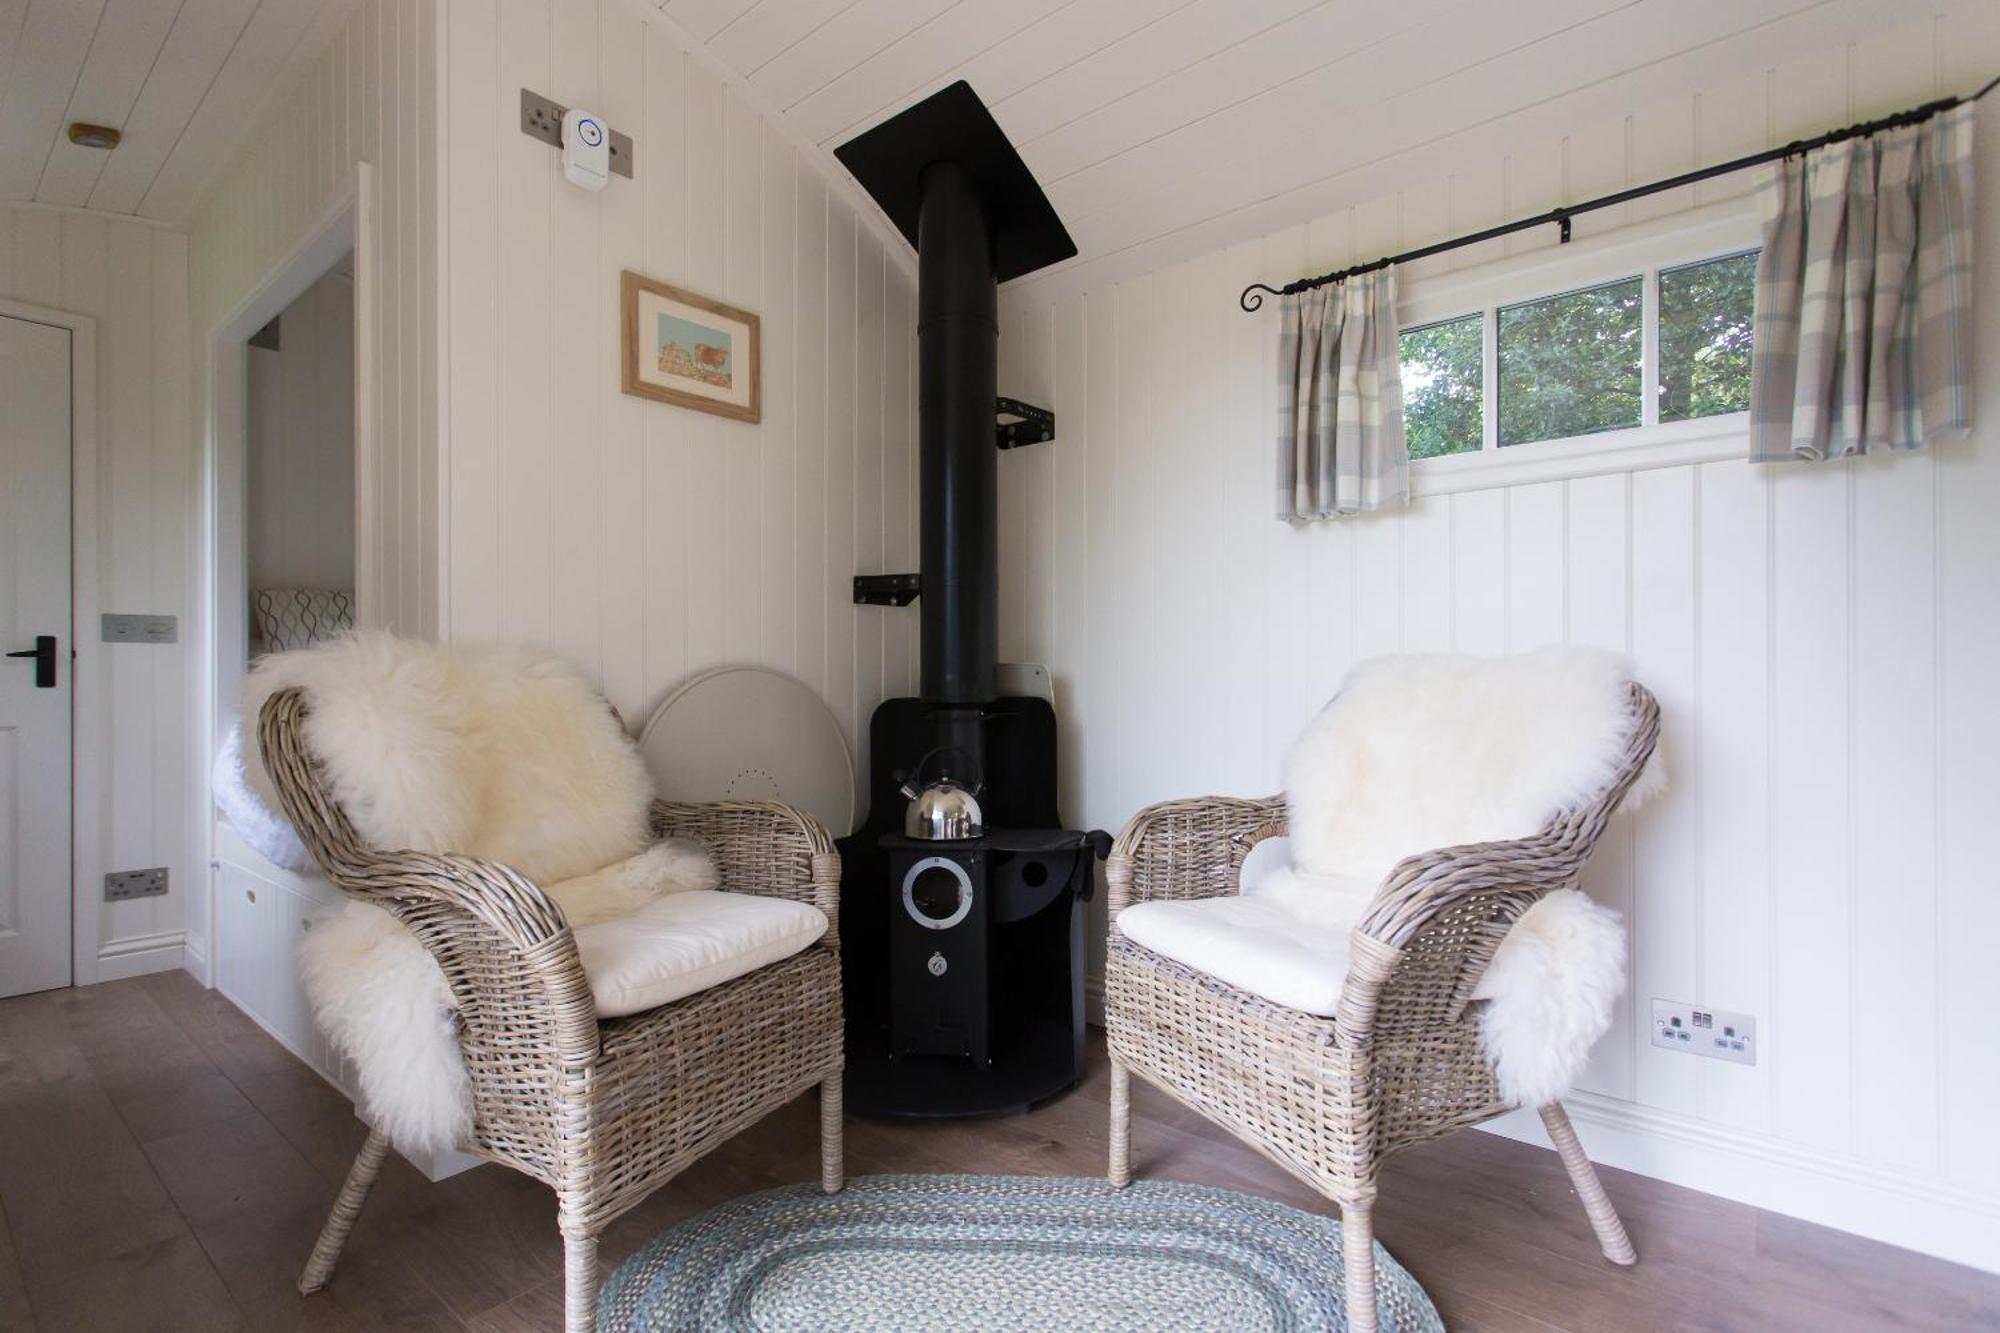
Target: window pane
point(1441, 387)
point(1569, 364)
point(1705, 312)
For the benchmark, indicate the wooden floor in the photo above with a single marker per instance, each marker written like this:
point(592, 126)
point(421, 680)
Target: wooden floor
point(164, 1165)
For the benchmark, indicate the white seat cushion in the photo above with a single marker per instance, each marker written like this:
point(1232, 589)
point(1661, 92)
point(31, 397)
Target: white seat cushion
point(1250, 942)
point(681, 943)
point(1284, 938)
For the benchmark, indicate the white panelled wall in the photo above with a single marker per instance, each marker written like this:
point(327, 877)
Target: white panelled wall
point(370, 97)
point(1821, 639)
point(132, 279)
point(646, 541)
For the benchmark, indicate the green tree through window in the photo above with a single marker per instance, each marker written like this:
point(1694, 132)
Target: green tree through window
point(1705, 322)
point(1442, 392)
point(1569, 364)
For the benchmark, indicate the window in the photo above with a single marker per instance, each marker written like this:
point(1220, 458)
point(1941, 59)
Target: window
point(1570, 364)
point(1705, 313)
point(1443, 389)
point(1534, 359)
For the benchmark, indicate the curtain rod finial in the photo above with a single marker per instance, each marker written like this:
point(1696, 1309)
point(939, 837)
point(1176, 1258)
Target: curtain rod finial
point(1251, 300)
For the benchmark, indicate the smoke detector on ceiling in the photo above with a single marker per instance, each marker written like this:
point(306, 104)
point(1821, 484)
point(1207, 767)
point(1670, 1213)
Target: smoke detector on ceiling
point(85, 135)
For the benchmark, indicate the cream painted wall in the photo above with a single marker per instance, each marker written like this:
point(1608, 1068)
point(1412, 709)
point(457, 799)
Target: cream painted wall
point(1822, 641)
point(649, 542)
point(300, 454)
point(132, 278)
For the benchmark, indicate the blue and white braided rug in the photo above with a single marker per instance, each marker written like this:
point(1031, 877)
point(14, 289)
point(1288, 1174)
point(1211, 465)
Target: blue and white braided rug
point(993, 1253)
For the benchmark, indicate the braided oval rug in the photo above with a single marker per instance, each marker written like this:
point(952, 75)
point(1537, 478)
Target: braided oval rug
point(993, 1253)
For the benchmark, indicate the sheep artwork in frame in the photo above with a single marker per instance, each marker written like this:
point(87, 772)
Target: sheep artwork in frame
point(685, 349)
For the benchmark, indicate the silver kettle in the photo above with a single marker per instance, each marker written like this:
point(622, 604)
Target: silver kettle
point(943, 810)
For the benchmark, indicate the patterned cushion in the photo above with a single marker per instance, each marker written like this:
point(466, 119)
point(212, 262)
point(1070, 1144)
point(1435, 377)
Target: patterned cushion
point(290, 618)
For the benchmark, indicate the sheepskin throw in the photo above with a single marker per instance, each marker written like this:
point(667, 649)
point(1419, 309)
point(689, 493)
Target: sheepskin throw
point(262, 826)
point(503, 752)
point(1417, 753)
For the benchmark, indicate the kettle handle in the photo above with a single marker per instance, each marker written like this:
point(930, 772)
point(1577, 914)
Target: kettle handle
point(916, 776)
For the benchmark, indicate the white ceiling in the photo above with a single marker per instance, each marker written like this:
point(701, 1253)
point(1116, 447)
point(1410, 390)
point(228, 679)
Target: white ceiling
point(1160, 128)
point(183, 79)
point(1164, 128)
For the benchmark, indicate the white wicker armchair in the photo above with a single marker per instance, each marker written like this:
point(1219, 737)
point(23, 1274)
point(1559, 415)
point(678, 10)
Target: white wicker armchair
point(605, 1112)
point(1400, 1062)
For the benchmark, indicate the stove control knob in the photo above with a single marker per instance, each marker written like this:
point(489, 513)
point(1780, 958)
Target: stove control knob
point(937, 965)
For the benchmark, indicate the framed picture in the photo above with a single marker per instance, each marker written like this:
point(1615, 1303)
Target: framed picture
point(686, 349)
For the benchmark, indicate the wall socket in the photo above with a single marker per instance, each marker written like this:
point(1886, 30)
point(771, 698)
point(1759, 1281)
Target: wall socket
point(1719, 1034)
point(123, 884)
point(542, 118)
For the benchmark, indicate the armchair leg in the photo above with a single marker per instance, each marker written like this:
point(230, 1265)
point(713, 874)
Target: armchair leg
point(1604, 1221)
point(1357, 1244)
point(579, 1282)
point(1120, 1170)
point(832, 1164)
point(346, 1207)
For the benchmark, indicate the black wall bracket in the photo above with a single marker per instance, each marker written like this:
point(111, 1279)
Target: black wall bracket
point(1023, 423)
point(885, 589)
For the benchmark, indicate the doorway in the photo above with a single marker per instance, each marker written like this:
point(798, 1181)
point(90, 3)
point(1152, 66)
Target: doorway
point(37, 685)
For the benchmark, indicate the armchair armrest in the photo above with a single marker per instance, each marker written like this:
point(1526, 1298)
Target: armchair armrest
point(762, 847)
point(505, 950)
point(1188, 849)
point(1419, 953)
point(1422, 886)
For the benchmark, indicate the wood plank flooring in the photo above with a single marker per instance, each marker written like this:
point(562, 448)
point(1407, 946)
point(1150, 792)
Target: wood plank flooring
point(165, 1165)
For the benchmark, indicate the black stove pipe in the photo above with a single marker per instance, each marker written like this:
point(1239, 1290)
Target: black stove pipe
point(958, 341)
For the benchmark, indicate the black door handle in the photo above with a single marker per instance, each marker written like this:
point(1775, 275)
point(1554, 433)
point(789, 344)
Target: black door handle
point(44, 653)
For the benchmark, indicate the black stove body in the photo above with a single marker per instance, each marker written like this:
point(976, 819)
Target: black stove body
point(963, 959)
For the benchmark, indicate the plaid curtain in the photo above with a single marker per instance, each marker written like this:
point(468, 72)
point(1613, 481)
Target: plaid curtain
point(1340, 401)
point(1864, 295)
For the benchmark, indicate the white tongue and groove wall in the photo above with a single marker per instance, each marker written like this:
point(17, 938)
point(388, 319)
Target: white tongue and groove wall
point(644, 541)
point(1821, 641)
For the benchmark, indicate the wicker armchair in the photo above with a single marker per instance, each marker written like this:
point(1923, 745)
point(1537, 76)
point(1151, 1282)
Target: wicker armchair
point(1399, 1063)
point(604, 1112)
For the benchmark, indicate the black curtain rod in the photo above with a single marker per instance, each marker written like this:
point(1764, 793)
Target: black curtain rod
point(1252, 298)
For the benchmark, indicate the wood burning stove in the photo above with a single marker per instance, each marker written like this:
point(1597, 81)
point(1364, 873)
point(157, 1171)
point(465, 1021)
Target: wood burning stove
point(963, 956)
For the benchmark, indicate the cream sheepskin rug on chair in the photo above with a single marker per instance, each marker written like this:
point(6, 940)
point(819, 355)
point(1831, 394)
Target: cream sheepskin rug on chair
point(503, 752)
point(1422, 752)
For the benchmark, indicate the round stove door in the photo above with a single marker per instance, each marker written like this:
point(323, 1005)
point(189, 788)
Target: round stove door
point(937, 893)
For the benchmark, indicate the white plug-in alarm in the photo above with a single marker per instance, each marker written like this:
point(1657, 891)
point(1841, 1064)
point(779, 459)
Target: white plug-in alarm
point(586, 149)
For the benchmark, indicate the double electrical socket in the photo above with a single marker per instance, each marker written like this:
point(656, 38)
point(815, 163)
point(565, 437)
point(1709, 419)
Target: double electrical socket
point(1694, 1029)
point(120, 885)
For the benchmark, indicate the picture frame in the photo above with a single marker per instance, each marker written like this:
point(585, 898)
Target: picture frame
point(687, 349)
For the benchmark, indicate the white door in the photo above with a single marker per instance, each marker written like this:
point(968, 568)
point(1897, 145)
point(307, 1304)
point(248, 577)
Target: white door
point(35, 674)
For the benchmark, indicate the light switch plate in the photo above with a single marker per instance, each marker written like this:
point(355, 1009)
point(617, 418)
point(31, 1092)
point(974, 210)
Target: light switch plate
point(140, 629)
point(1719, 1034)
point(121, 885)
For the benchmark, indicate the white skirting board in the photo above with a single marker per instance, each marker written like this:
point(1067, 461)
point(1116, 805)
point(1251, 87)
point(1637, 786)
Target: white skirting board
point(1929, 1216)
point(260, 910)
point(137, 956)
